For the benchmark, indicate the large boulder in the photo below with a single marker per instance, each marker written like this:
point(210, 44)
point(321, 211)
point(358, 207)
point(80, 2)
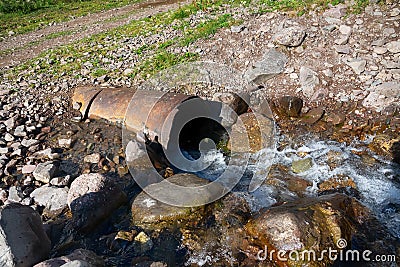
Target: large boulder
point(149, 212)
point(336, 222)
point(79, 256)
point(23, 241)
point(93, 197)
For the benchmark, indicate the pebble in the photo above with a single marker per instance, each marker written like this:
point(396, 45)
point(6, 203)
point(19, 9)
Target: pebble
point(8, 137)
point(345, 30)
point(380, 50)
point(4, 150)
point(28, 169)
point(393, 47)
point(92, 158)
point(291, 36)
point(15, 194)
point(29, 143)
point(65, 142)
point(357, 64)
point(20, 131)
point(45, 171)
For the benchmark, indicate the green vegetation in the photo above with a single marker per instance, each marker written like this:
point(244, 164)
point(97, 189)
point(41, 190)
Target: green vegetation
point(22, 16)
point(298, 6)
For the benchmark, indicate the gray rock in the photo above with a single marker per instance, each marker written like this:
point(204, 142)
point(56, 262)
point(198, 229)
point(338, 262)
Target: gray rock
point(134, 150)
point(291, 36)
point(15, 194)
point(3, 195)
point(390, 64)
point(393, 47)
point(23, 241)
point(357, 64)
point(45, 171)
point(76, 263)
point(380, 50)
point(345, 30)
point(237, 29)
point(308, 81)
point(20, 131)
point(92, 198)
point(54, 199)
point(272, 64)
point(342, 49)
point(4, 150)
point(78, 256)
point(61, 181)
point(28, 169)
point(382, 96)
point(46, 153)
point(29, 143)
point(10, 123)
point(8, 137)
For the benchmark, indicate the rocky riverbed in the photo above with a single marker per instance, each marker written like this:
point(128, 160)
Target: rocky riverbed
point(332, 81)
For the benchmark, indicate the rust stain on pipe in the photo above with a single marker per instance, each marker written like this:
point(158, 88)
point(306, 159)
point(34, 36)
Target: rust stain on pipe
point(134, 109)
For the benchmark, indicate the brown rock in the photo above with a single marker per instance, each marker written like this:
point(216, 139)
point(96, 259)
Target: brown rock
point(289, 106)
point(313, 115)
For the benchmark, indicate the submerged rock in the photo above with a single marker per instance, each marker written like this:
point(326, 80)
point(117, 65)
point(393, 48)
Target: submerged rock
point(23, 241)
point(80, 256)
point(289, 106)
point(333, 221)
point(93, 197)
point(254, 133)
point(151, 213)
point(302, 165)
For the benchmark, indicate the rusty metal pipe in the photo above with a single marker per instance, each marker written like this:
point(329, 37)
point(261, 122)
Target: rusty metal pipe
point(129, 107)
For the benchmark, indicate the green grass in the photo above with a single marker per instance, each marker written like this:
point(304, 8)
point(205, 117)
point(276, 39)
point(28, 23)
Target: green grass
point(22, 18)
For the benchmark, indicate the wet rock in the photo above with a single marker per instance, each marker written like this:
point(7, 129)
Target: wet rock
point(313, 115)
point(318, 224)
point(150, 264)
point(45, 171)
point(393, 47)
point(234, 101)
point(92, 158)
point(382, 144)
point(65, 142)
point(150, 213)
point(81, 256)
point(382, 96)
point(254, 133)
point(289, 106)
point(357, 64)
point(302, 165)
point(272, 64)
point(93, 197)
point(291, 36)
point(144, 242)
point(23, 241)
point(336, 119)
point(308, 80)
point(54, 199)
point(337, 182)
